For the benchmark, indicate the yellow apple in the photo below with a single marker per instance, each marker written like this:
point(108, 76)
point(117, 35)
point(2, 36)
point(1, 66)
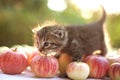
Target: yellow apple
point(64, 60)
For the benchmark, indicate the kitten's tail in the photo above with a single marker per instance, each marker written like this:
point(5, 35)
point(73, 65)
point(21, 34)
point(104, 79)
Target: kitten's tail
point(103, 18)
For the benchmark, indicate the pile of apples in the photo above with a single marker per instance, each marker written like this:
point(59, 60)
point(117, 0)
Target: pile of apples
point(16, 59)
point(93, 66)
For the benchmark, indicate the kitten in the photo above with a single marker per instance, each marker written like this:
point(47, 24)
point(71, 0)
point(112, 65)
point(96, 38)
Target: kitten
point(75, 40)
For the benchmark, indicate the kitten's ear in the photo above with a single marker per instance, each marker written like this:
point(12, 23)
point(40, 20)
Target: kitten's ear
point(36, 29)
point(58, 33)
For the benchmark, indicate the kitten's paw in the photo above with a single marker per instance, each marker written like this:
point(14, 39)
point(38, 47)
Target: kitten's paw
point(74, 59)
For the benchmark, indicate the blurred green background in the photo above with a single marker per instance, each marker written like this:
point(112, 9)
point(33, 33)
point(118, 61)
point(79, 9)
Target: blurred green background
point(18, 17)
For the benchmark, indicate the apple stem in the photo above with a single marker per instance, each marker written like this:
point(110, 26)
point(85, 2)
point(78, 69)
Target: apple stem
point(15, 49)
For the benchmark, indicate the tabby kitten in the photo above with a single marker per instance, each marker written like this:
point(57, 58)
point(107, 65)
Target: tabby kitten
point(75, 40)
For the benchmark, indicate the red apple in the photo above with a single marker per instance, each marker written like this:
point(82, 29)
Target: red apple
point(77, 70)
point(30, 52)
point(13, 61)
point(3, 48)
point(30, 55)
point(99, 66)
point(44, 66)
point(114, 72)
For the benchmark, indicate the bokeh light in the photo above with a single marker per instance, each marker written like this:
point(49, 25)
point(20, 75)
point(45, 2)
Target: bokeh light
point(57, 5)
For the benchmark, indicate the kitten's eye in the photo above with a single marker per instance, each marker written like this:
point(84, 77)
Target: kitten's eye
point(46, 44)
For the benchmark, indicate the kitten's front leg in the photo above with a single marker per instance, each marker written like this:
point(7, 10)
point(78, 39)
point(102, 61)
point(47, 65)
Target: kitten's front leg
point(74, 59)
point(78, 57)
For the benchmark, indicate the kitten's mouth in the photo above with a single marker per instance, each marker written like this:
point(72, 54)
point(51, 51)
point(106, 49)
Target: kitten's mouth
point(50, 52)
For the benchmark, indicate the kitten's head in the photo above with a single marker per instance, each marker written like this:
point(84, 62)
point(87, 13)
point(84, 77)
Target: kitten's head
point(50, 39)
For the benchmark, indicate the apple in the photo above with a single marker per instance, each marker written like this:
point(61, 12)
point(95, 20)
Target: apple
point(30, 52)
point(44, 66)
point(77, 70)
point(114, 72)
point(99, 66)
point(64, 60)
point(113, 59)
point(13, 61)
point(3, 48)
point(30, 55)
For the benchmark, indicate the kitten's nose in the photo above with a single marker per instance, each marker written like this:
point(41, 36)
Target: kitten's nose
point(40, 49)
